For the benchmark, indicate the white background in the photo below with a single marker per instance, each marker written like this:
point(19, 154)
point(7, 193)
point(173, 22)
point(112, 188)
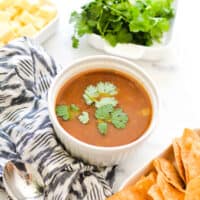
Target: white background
point(177, 78)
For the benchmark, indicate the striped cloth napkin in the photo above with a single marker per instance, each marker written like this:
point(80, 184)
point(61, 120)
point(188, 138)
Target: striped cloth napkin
point(26, 133)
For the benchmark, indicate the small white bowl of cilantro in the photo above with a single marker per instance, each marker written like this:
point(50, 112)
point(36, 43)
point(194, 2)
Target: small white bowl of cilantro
point(139, 29)
point(102, 107)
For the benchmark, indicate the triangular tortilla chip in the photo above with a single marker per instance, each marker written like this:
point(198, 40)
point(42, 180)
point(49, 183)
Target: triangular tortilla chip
point(138, 191)
point(190, 153)
point(178, 158)
point(169, 172)
point(155, 192)
point(169, 191)
point(193, 189)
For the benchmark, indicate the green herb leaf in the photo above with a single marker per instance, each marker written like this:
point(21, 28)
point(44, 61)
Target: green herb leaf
point(112, 38)
point(90, 94)
point(63, 111)
point(67, 112)
point(74, 108)
point(66, 117)
point(119, 118)
point(104, 112)
point(99, 94)
point(102, 127)
point(106, 88)
point(106, 101)
point(74, 17)
point(75, 42)
point(84, 117)
point(120, 21)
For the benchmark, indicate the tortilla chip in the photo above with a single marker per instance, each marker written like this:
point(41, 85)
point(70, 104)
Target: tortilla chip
point(155, 193)
point(190, 152)
point(169, 172)
point(197, 131)
point(169, 191)
point(178, 158)
point(126, 194)
point(146, 182)
point(138, 191)
point(189, 136)
point(193, 189)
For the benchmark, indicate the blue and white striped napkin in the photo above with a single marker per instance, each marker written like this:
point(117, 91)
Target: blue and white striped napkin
point(26, 133)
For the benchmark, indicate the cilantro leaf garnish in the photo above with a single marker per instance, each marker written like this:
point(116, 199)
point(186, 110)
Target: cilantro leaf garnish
point(100, 94)
point(119, 118)
point(90, 94)
point(67, 112)
point(106, 101)
point(84, 117)
point(104, 112)
point(108, 113)
point(106, 88)
point(120, 21)
point(102, 97)
point(74, 108)
point(63, 111)
point(88, 99)
point(102, 127)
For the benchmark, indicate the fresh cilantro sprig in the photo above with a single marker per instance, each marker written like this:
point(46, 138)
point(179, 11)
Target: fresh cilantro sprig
point(67, 112)
point(118, 118)
point(74, 108)
point(109, 114)
point(70, 112)
point(120, 21)
point(103, 127)
point(63, 112)
point(106, 101)
point(90, 95)
point(84, 117)
point(106, 89)
point(104, 112)
point(101, 94)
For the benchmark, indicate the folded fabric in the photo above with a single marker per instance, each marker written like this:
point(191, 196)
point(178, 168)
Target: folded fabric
point(26, 133)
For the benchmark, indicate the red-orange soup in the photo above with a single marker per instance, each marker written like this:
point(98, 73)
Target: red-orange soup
point(132, 98)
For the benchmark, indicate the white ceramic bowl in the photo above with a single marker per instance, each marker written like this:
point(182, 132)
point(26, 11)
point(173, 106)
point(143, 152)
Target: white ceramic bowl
point(102, 156)
point(46, 32)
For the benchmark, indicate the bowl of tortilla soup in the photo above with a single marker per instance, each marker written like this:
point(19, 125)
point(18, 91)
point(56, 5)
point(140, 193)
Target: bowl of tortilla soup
point(102, 107)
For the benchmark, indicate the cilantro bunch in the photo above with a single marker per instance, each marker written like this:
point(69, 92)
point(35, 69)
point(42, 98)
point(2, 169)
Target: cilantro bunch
point(120, 21)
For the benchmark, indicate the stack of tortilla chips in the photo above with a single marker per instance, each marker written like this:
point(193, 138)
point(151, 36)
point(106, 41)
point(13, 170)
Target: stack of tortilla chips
point(176, 178)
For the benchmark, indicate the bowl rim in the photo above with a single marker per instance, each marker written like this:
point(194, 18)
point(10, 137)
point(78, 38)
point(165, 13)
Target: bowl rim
point(134, 66)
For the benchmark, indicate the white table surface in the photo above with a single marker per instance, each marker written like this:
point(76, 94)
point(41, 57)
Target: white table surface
point(178, 81)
